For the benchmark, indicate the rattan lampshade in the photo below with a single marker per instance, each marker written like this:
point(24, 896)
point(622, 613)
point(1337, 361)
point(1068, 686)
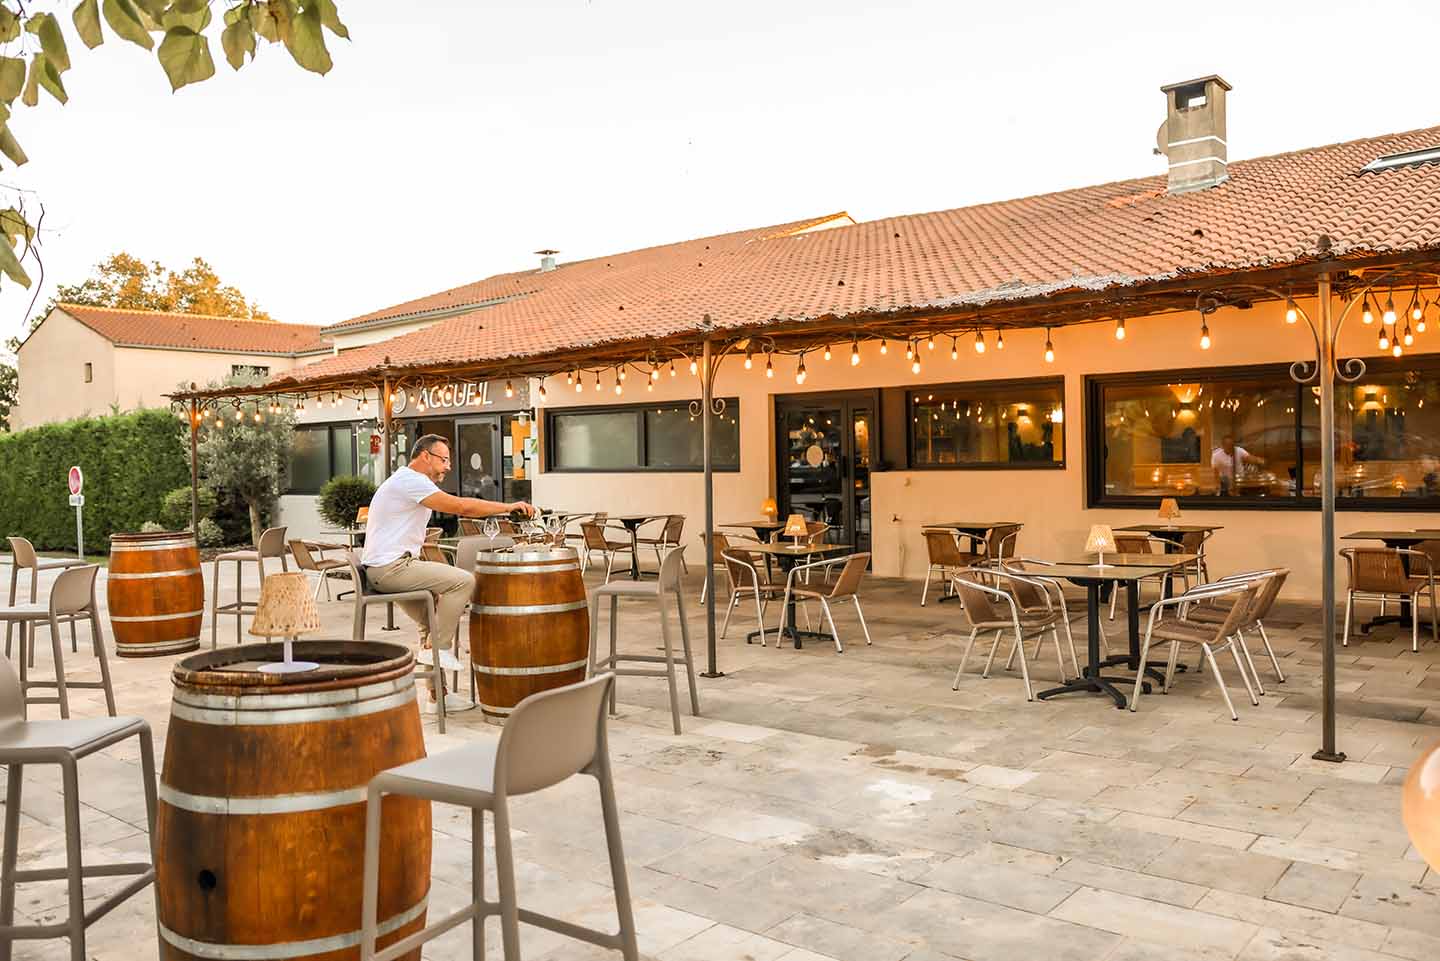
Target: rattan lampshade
point(768, 507)
point(1169, 509)
point(1101, 539)
point(795, 526)
point(285, 608)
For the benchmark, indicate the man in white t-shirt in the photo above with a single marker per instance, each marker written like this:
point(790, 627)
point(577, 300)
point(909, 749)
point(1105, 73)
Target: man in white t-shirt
point(394, 532)
point(1228, 460)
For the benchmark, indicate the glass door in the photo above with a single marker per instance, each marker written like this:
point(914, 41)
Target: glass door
point(826, 447)
point(478, 458)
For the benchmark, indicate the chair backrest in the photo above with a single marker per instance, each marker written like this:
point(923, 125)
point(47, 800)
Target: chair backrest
point(719, 544)
point(362, 516)
point(594, 537)
point(467, 549)
point(600, 517)
point(272, 542)
point(741, 568)
point(944, 548)
point(551, 736)
point(1269, 590)
point(1026, 592)
point(1244, 600)
point(357, 574)
point(1377, 569)
point(671, 568)
point(74, 590)
point(431, 552)
point(432, 534)
point(1193, 542)
point(980, 605)
point(469, 527)
point(852, 572)
point(674, 529)
point(1001, 542)
point(301, 552)
point(12, 696)
point(508, 527)
point(1133, 544)
point(22, 552)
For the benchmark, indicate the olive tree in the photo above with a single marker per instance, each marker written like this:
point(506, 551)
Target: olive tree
point(248, 454)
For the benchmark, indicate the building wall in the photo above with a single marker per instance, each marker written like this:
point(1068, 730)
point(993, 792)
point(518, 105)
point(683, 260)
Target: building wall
point(144, 376)
point(1051, 503)
point(52, 373)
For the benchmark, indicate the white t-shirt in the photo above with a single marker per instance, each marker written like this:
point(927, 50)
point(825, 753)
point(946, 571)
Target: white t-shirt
point(1225, 465)
point(397, 520)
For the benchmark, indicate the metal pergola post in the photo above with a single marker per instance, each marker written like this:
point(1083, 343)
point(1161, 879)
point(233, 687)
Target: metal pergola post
point(1327, 367)
point(194, 468)
point(707, 391)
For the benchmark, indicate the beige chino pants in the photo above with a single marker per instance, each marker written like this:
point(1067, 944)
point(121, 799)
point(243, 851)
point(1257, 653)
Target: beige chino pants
point(452, 589)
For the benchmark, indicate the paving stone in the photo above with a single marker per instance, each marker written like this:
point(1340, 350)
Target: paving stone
point(1147, 920)
point(981, 931)
point(837, 940)
point(1218, 867)
point(1087, 873)
point(1313, 886)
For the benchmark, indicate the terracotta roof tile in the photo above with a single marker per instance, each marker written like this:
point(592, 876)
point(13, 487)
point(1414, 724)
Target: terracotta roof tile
point(151, 328)
point(1130, 233)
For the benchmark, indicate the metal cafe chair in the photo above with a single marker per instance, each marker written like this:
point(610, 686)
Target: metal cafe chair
point(25, 744)
point(992, 609)
point(745, 577)
point(1208, 637)
point(549, 738)
point(669, 537)
point(595, 540)
point(1037, 595)
point(1141, 544)
point(1385, 573)
point(321, 567)
point(845, 588)
point(946, 558)
point(1271, 581)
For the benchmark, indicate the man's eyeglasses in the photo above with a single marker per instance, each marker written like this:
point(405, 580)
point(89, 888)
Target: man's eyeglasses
point(444, 459)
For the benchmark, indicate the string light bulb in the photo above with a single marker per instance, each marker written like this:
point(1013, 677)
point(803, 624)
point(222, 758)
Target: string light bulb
point(1204, 336)
point(954, 349)
point(749, 358)
point(1120, 329)
point(1420, 321)
point(979, 342)
point(1384, 339)
point(654, 372)
point(569, 378)
point(930, 344)
point(1389, 315)
point(1049, 348)
point(884, 347)
point(257, 415)
point(855, 352)
point(597, 380)
point(1397, 350)
point(694, 366)
point(827, 351)
point(619, 388)
point(999, 340)
point(915, 365)
point(672, 368)
point(1367, 315)
point(579, 385)
point(1416, 312)
point(769, 366)
point(1409, 338)
point(621, 373)
point(909, 350)
point(509, 389)
point(542, 390)
point(800, 371)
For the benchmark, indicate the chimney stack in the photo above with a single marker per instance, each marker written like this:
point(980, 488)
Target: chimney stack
point(547, 260)
point(1192, 137)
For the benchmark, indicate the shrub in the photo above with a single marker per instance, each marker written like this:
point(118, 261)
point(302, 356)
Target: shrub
point(151, 527)
point(129, 460)
point(175, 507)
point(342, 497)
point(210, 534)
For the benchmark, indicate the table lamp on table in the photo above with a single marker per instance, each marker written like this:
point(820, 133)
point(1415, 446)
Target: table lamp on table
point(1101, 539)
point(286, 610)
point(1169, 510)
point(795, 527)
point(769, 509)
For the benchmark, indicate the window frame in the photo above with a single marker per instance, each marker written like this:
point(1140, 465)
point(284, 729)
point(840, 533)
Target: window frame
point(643, 441)
point(1057, 380)
point(1093, 414)
point(330, 427)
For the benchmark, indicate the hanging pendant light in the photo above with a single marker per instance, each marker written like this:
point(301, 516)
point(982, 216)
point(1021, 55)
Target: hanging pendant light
point(769, 367)
point(855, 352)
point(999, 340)
point(800, 371)
point(1204, 335)
point(1120, 329)
point(1049, 348)
point(1367, 315)
point(979, 342)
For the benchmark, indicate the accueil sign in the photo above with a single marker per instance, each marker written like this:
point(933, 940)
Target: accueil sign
point(453, 396)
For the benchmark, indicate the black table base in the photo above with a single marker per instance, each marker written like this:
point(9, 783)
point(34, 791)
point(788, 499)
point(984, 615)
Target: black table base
point(1096, 684)
point(795, 634)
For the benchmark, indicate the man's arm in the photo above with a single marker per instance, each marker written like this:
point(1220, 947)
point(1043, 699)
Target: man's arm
point(473, 506)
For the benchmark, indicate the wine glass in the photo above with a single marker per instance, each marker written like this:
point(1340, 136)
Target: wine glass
point(490, 528)
point(555, 523)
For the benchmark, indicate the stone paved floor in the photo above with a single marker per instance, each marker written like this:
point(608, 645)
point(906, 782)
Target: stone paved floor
point(856, 808)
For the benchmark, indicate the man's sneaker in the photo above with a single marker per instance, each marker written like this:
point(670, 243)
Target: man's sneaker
point(454, 704)
point(448, 661)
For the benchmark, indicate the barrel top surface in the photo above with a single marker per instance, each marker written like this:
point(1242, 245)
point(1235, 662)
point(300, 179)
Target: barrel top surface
point(342, 664)
point(180, 537)
point(529, 554)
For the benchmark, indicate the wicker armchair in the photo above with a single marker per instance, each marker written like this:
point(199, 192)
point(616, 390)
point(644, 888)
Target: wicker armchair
point(1208, 637)
point(992, 609)
point(946, 559)
point(1383, 573)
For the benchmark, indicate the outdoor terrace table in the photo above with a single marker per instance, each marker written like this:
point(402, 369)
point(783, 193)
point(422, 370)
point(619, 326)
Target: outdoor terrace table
point(974, 530)
point(1092, 578)
point(788, 555)
point(1404, 540)
point(762, 528)
point(632, 524)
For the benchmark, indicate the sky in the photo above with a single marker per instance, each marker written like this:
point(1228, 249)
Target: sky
point(452, 139)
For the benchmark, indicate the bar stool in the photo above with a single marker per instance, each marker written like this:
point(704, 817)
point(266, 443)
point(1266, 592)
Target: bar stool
point(272, 544)
point(365, 598)
point(668, 584)
point(73, 599)
point(549, 738)
point(23, 556)
point(24, 743)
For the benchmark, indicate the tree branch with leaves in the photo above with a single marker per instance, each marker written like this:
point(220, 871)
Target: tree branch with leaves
point(36, 56)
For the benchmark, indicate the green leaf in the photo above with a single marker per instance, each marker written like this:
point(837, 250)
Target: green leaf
point(330, 17)
point(273, 20)
point(12, 77)
point(10, 148)
point(13, 225)
point(31, 94)
point(306, 42)
point(182, 15)
point(10, 265)
point(50, 79)
point(52, 41)
point(153, 10)
point(185, 55)
point(87, 23)
point(238, 39)
point(9, 24)
point(126, 21)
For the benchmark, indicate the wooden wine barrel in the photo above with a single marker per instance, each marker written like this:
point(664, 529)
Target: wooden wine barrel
point(156, 594)
point(529, 625)
point(260, 835)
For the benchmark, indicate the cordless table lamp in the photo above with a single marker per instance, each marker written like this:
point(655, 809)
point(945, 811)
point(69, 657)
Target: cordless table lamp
point(1169, 510)
point(1101, 539)
point(287, 610)
point(768, 508)
point(795, 527)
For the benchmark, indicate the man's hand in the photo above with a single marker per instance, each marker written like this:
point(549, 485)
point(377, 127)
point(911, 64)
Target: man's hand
point(527, 509)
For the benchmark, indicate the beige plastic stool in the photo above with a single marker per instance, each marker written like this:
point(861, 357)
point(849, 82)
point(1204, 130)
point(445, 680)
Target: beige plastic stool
point(23, 557)
point(547, 739)
point(272, 544)
point(666, 585)
point(73, 599)
point(25, 743)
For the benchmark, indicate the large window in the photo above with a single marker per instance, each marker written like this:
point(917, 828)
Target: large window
point(654, 437)
point(996, 424)
point(320, 452)
point(1250, 437)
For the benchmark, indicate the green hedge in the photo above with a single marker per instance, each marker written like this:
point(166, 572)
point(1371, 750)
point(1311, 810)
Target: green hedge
point(130, 462)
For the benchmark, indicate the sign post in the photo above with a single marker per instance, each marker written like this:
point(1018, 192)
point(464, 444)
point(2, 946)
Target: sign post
point(76, 480)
